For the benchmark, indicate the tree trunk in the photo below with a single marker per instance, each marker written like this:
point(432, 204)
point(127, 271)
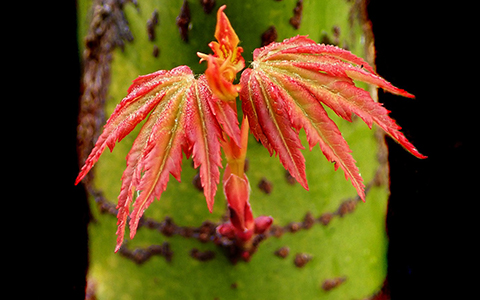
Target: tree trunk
point(324, 243)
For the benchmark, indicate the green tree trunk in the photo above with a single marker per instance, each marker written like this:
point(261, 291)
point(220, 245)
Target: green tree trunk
point(324, 243)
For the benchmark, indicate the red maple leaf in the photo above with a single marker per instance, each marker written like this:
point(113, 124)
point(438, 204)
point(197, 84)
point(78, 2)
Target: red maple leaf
point(180, 118)
point(286, 90)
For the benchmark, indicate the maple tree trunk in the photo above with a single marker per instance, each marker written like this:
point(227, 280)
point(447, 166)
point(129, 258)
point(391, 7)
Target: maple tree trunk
point(324, 243)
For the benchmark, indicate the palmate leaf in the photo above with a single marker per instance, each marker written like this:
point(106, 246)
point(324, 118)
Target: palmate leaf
point(181, 118)
point(286, 89)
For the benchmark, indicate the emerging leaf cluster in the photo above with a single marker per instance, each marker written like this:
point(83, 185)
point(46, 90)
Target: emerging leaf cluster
point(285, 90)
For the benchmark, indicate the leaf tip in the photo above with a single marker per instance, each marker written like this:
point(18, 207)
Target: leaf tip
point(302, 179)
point(79, 178)
point(133, 230)
point(117, 247)
point(400, 92)
point(210, 202)
point(416, 153)
point(362, 196)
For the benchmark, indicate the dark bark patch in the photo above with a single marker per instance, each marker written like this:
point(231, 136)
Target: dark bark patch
point(183, 21)
point(301, 259)
point(197, 183)
point(325, 218)
point(151, 24)
point(202, 256)
point(155, 51)
point(265, 186)
point(289, 178)
point(207, 5)
point(332, 283)
point(347, 207)
point(308, 220)
point(282, 252)
point(269, 36)
point(141, 255)
point(296, 20)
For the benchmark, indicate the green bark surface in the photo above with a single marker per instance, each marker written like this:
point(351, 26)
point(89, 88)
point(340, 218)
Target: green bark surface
point(352, 246)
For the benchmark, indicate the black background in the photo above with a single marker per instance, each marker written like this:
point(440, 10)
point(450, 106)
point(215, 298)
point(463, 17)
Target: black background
point(419, 49)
